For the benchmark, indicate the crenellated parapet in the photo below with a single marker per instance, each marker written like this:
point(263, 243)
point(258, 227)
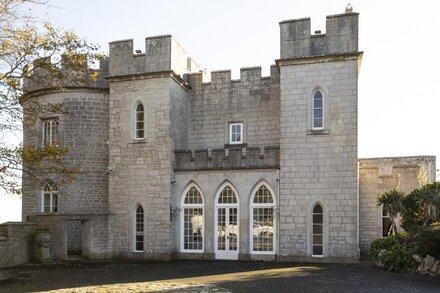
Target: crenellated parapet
point(162, 54)
point(234, 158)
point(249, 76)
point(341, 37)
point(70, 72)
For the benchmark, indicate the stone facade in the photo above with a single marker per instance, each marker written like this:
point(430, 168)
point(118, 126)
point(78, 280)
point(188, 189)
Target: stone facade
point(131, 200)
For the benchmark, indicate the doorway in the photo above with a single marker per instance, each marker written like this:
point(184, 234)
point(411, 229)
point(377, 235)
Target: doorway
point(74, 239)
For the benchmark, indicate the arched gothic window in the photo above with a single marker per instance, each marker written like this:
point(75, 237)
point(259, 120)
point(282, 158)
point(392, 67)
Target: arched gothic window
point(192, 225)
point(318, 231)
point(50, 198)
point(262, 215)
point(318, 110)
point(140, 123)
point(139, 229)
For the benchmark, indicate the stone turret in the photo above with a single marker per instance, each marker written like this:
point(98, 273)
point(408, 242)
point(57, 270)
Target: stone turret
point(82, 127)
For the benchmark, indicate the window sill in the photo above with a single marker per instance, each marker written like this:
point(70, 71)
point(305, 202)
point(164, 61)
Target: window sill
point(235, 145)
point(191, 251)
point(318, 131)
point(135, 141)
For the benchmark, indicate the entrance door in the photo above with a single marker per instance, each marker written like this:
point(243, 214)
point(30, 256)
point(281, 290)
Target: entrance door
point(226, 214)
point(227, 233)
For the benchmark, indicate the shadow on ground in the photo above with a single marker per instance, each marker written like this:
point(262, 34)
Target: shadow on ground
point(233, 276)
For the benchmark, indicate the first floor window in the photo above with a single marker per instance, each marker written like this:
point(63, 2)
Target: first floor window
point(386, 223)
point(235, 133)
point(262, 208)
point(139, 133)
point(50, 132)
point(50, 198)
point(318, 110)
point(318, 230)
point(139, 229)
point(192, 220)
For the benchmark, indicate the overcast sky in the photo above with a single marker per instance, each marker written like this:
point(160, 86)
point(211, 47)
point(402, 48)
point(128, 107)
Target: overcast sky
point(399, 95)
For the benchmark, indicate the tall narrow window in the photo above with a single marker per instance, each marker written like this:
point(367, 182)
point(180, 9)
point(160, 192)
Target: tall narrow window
point(139, 229)
point(318, 110)
point(318, 231)
point(386, 223)
point(50, 199)
point(262, 215)
point(140, 121)
point(50, 132)
point(236, 133)
point(192, 220)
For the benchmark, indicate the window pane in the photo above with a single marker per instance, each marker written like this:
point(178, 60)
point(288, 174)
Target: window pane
point(317, 209)
point(139, 134)
point(227, 196)
point(193, 228)
point(317, 229)
point(262, 232)
point(317, 103)
point(317, 239)
point(317, 95)
point(317, 123)
point(386, 226)
point(317, 250)
point(263, 195)
point(317, 219)
point(193, 196)
point(54, 202)
point(317, 113)
point(140, 116)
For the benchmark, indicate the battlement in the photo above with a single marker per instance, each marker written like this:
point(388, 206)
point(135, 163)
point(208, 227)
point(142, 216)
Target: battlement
point(341, 37)
point(222, 78)
point(162, 53)
point(228, 159)
point(70, 72)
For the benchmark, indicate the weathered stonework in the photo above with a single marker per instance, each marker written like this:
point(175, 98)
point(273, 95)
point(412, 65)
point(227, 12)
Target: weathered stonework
point(186, 142)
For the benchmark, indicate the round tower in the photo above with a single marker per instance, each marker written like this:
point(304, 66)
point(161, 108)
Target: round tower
point(81, 124)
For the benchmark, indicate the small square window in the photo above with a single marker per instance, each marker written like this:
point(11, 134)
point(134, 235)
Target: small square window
point(236, 133)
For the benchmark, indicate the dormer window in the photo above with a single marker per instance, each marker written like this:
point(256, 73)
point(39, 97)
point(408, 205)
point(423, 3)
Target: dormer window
point(235, 133)
point(139, 133)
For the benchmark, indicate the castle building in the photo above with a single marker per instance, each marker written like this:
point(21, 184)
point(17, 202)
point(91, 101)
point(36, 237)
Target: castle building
point(183, 164)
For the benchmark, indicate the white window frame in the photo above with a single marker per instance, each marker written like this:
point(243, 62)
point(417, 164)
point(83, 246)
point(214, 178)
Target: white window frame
point(136, 121)
point(184, 206)
point(323, 229)
point(321, 108)
point(383, 216)
point(136, 233)
point(51, 136)
point(253, 205)
point(53, 192)
point(241, 132)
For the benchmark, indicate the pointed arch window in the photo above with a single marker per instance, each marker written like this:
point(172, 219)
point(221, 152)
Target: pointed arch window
point(139, 229)
point(50, 198)
point(318, 231)
point(263, 224)
point(318, 110)
point(140, 122)
point(192, 222)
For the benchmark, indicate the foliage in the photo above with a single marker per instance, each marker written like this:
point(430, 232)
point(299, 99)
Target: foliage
point(429, 239)
point(24, 39)
point(392, 201)
point(422, 207)
point(395, 252)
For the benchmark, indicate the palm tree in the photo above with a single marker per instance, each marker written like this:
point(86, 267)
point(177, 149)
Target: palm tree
point(427, 200)
point(392, 202)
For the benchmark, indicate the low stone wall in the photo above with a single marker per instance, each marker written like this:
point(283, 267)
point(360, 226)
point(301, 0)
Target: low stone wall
point(16, 243)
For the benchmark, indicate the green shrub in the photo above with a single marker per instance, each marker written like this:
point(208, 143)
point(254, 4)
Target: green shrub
point(429, 239)
point(394, 252)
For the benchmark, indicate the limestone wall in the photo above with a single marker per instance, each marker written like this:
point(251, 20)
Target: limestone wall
point(83, 128)
point(377, 175)
point(16, 243)
point(141, 169)
point(252, 100)
point(319, 166)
